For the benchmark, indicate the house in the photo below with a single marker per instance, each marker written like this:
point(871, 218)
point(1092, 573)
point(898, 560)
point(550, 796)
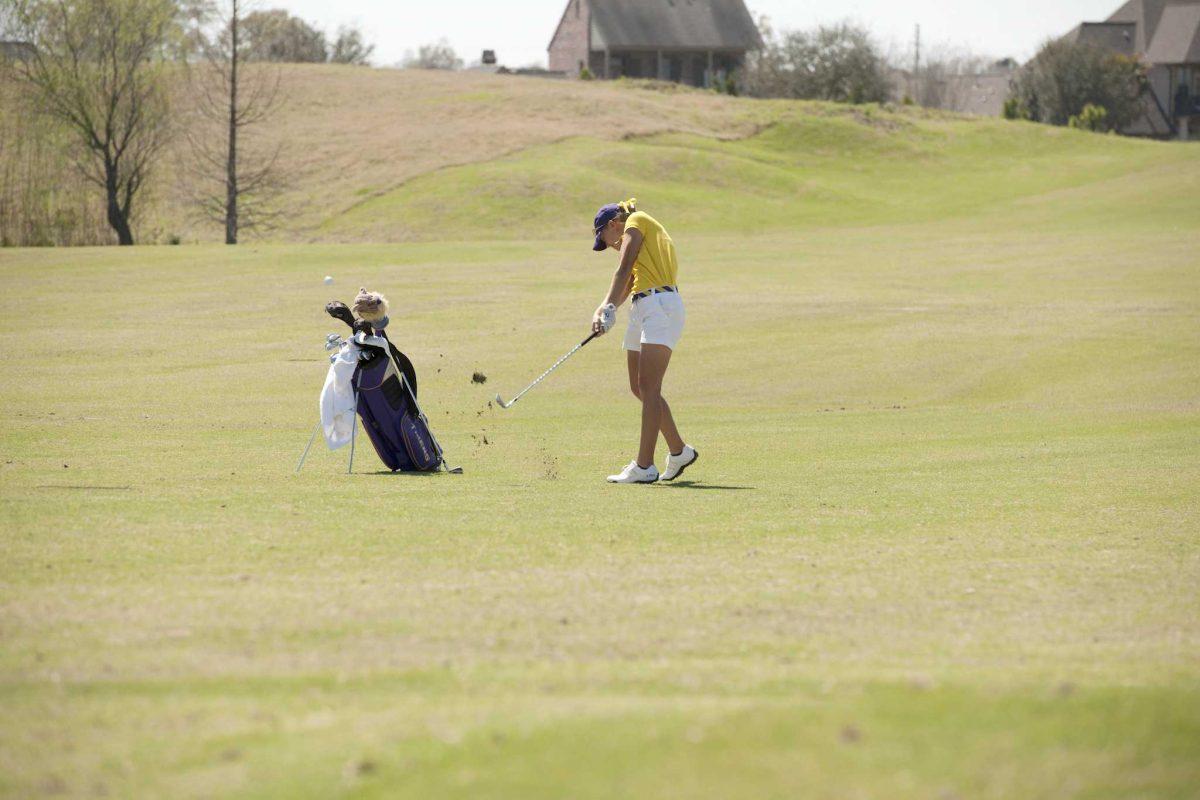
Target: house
point(15, 51)
point(1165, 34)
point(697, 42)
point(980, 91)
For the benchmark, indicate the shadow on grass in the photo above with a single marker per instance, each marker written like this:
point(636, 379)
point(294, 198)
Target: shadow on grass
point(713, 486)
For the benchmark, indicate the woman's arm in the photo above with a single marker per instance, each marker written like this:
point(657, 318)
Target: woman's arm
point(622, 281)
point(628, 290)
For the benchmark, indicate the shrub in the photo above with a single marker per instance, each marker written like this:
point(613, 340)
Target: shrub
point(585, 74)
point(1014, 110)
point(725, 84)
point(1091, 118)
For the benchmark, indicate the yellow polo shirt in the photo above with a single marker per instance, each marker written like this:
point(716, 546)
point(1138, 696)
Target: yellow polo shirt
point(655, 265)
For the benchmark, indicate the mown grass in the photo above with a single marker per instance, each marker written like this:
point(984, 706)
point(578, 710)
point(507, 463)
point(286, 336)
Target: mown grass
point(941, 542)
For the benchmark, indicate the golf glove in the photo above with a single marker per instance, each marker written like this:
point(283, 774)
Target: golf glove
point(608, 317)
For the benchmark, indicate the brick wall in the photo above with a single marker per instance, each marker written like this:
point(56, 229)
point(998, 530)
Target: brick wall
point(570, 44)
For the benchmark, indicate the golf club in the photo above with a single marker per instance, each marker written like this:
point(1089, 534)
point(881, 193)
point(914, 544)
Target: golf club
point(539, 379)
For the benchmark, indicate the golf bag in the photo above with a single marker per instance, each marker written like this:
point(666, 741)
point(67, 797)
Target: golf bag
point(371, 379)
point(387, 405)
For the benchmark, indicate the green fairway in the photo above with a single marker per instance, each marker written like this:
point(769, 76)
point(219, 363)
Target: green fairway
point(942, 542)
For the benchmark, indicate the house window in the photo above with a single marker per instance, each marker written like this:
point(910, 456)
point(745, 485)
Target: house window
point(675, 68)
point(1184, 94)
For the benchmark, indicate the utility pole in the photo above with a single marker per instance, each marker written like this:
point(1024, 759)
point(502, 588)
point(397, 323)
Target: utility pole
point(917, 51)
point(916, 94)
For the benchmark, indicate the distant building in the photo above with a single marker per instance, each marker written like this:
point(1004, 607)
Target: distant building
point(15, 51)
point(487, 63)
point(1166, 35)
point(983, 94)
point(980, 93)
point(697, 42)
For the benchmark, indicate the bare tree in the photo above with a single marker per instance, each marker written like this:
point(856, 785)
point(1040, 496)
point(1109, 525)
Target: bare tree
point(945, 76)
point(439, 55)
point(99, 66)
point(44, 200)
point(838, 62)
point(192, 18)
point(349, 47)
point(236, 188)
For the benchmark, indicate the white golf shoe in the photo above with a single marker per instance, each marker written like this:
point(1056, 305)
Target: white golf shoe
point(635, 474)
point(677, 464)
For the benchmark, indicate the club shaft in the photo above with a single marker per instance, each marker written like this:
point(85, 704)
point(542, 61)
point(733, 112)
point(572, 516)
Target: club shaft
point(553, 367)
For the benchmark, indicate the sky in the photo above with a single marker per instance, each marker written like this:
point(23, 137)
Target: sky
point(520, 30)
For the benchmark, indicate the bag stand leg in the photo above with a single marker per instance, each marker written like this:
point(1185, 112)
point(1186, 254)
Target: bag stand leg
point(353, 433)
point(308, 446)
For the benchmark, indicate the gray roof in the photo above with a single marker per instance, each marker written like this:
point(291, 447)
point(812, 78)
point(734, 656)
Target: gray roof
point(1164, 31)
point(1148, 15)
point(1118, 36)
point(692, 24)
point(1177, 40)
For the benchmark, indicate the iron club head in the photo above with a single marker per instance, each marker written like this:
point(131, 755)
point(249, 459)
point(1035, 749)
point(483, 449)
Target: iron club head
point(501, 403)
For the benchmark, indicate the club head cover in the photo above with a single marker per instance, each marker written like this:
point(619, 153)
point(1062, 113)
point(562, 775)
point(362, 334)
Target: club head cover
point(338, 310)
point(371, 306)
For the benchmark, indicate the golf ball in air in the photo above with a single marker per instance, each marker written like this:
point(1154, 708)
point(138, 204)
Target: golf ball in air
point(328, 279)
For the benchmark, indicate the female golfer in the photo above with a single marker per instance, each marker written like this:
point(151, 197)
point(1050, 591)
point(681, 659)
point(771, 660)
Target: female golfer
point(648, 272)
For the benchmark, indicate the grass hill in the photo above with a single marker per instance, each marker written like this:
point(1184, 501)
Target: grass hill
point(399, 155)
point(812, 167)
point(351, 135)
point(389, 156)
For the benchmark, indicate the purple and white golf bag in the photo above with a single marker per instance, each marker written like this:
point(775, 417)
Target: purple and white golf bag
point(387, 405)
point(369, 378)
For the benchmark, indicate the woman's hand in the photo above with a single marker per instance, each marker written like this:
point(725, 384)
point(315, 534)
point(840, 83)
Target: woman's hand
point(604, 318)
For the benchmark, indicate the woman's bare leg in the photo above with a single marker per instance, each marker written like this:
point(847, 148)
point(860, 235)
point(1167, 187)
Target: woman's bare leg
point(652, 366)
point(666, 423)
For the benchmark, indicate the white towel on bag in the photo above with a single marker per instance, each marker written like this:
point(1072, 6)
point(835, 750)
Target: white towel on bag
point(337, 398)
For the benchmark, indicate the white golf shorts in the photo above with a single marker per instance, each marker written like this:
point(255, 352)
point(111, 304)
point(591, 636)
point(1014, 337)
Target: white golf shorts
point(655, 319)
